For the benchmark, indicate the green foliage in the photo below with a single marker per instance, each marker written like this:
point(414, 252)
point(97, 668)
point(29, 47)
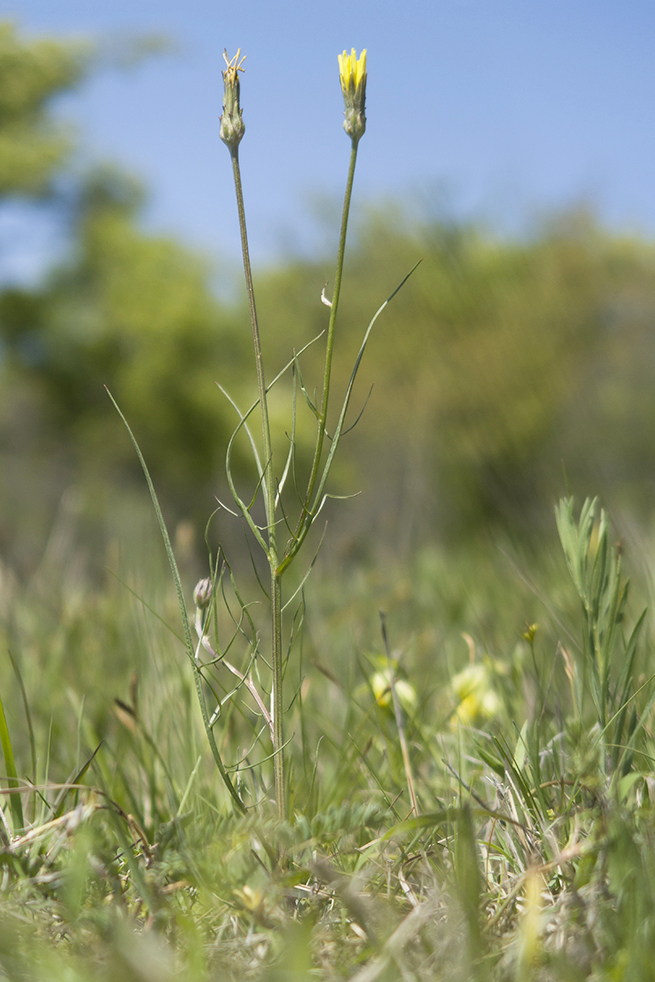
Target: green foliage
point(123, 309)
point(525, 861)
point(10, 768)
point(495, 370)
point(33, 149)
point(608, 660)
point(133, 313)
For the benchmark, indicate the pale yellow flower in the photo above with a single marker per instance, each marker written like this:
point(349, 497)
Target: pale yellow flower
point(352, 73)
point(381, 686)
point(478, 700)
point(352, 69)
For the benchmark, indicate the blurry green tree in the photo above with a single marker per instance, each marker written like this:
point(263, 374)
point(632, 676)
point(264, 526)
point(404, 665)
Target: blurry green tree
point(131, 311)
point(33, 149)
point(135, 313)
point(505, 371)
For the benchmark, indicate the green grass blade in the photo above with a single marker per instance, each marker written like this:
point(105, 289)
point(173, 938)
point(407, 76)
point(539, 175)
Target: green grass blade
point(28, 715)
point(12, 776)
point(71, 784)
point(188, 640)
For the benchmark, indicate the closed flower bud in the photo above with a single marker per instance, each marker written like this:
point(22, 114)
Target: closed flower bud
point(202, 594)
point(232, 125)
point(352, 72)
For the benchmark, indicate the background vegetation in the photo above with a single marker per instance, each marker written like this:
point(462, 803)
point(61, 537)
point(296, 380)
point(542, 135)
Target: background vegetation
point(495, 373)
point(507, 373)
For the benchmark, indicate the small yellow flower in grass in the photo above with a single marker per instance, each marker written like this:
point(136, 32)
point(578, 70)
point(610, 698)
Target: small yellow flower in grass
point(478, 701)
point(232, 125)
point(352, 72)
point(252, 900)
point(381, 686)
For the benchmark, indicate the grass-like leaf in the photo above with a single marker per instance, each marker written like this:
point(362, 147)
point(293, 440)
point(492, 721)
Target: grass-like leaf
point(188, 640)
point(12, 776)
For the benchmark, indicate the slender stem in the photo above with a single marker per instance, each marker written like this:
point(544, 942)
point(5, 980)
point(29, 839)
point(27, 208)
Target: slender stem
point(306, 512)
point(278, 710)
point(268, 483)
point(337, 290)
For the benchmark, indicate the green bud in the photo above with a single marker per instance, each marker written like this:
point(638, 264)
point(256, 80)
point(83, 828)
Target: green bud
point(352, 73)
point(232, 125)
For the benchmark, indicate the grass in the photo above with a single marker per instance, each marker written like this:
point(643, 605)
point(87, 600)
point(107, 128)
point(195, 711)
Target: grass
point(530, 852)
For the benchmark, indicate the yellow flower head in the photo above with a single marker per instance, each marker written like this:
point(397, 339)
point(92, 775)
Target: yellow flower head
point(352, 69)
point(478, 701)
point(352, 74)
point(381, 686)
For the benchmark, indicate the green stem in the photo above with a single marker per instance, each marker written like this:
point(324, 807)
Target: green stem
point(278, 711)
point(267, 480)
point(268, 484)
point(307, 510)
point(335, 297)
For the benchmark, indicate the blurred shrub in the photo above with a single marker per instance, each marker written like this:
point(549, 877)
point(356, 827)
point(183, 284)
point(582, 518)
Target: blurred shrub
point(32, 147)
point(503, 372)
point(134, 313)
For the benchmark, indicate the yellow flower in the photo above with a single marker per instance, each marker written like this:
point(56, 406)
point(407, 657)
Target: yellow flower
point(381, 686)
point(352, 69)
point(352, 73)
point(252, 900)
point(478, 701)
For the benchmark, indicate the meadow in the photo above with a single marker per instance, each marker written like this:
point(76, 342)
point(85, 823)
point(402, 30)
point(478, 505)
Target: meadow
point(472, 797)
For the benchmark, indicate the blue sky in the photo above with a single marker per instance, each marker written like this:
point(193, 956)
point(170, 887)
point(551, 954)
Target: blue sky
point(497, 108)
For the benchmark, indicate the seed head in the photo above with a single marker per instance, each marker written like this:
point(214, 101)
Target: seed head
point(232, 125)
